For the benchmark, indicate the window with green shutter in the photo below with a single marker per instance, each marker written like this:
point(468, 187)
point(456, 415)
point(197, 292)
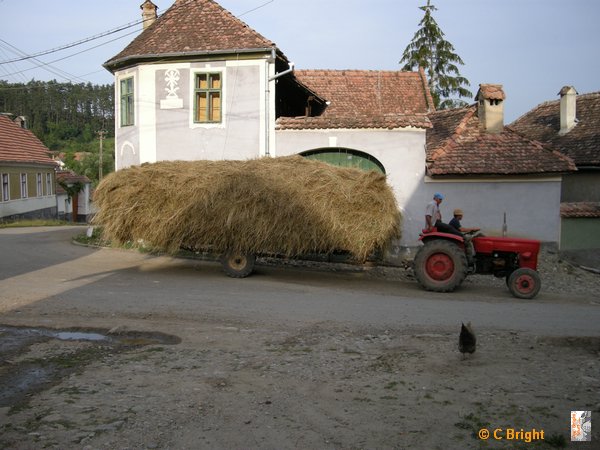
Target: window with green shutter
point(127, 111)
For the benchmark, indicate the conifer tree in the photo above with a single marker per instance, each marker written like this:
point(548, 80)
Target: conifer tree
point(429, 49)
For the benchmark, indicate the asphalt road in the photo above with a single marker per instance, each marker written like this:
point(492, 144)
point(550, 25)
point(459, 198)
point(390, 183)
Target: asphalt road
point(46, 278)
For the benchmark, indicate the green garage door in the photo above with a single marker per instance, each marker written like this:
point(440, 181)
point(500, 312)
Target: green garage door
point(345, 157)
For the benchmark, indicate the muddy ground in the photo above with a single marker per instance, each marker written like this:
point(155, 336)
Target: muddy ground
point(219, 384)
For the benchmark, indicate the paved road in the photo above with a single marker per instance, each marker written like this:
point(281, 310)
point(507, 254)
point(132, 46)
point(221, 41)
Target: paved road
point(43, 275)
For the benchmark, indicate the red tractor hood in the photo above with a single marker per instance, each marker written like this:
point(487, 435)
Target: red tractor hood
point(527, 249)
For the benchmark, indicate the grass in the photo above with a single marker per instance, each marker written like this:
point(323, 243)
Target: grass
point(36, 223)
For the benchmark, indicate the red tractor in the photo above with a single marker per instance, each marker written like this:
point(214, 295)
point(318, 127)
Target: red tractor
point(445, 260)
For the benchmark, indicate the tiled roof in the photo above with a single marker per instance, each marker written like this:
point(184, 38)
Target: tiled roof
point(191, 27)
point(580, 209)
point(457, 145)
point(365, 99)
point(20, 145)
point(582, 143)
point(69, 177)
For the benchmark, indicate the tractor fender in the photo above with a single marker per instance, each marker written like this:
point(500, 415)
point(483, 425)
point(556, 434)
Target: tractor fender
point(426, 237)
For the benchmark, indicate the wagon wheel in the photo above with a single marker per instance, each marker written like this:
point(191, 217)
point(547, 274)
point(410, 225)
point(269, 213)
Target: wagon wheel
point(440, 266)
point(524, 283)
point(238, 265)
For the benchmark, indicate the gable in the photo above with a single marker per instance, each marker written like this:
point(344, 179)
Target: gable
point(190, 28)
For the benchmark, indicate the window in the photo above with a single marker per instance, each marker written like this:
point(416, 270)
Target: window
point(207, 103)
point(40, 191)
point(127, 116)
point(5, 188)
point(48, 184)
point(23, 185)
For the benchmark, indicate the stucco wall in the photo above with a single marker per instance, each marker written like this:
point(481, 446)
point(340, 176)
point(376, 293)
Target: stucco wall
point(581, 186)
point(580, 233)
point(164, 105)
point(532, 206)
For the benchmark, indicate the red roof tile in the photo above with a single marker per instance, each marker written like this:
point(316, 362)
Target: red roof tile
point(490, 92)
point(365, 99)
point(20, 145)
point(191, 27)
point(457, 145)
point(582, 143)
point(580, 209)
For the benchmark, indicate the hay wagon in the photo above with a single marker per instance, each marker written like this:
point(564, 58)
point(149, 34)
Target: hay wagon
point(287, 206)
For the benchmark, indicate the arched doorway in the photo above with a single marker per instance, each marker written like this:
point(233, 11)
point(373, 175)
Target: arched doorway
point(345, 157)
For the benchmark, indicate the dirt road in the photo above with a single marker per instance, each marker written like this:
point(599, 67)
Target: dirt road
point(287, 359)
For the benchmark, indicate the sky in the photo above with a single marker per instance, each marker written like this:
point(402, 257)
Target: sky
point(532, 47)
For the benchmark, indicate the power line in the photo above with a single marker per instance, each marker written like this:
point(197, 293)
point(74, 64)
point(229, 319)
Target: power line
point(73, 54)
point(73, 44)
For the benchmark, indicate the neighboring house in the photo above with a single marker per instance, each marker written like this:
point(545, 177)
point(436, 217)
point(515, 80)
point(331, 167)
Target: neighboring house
point(572, 126)
point(27, 173)
point(198, 83)
point(66, 204)
point(490, 171)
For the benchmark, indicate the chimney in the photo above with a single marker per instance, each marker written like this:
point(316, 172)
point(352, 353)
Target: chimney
point(490, 101)
point(21, 121)
point(148, 13)
point(568, 108)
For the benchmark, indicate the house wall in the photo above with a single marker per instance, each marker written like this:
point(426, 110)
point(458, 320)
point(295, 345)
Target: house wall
point(532, 205)
point(84, 206)
point(37, 204)
point(401, 151)
point(164, 127)
point(580, 233)
point(581, 186)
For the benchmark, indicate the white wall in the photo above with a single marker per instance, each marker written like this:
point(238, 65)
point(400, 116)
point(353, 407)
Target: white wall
point(25, 205)
point(532, 205)
point(164, 105)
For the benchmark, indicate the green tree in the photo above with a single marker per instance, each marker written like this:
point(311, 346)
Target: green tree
point(429, 49)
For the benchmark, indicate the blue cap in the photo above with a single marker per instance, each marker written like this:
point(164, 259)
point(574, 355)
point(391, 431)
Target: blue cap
point(438, 195)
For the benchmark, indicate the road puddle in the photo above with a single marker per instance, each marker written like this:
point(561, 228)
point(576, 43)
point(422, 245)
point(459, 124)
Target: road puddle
point(35, 359)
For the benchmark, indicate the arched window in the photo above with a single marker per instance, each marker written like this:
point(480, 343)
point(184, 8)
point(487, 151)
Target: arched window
point(345, 157)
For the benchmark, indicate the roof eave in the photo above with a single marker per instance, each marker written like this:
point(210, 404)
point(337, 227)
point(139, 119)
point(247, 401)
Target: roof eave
point(113, 64)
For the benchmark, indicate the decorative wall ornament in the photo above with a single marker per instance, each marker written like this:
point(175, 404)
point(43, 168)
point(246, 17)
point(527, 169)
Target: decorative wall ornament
point(172, 100)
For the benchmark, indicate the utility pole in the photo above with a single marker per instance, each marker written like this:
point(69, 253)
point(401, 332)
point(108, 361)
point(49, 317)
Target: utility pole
point(101, 134)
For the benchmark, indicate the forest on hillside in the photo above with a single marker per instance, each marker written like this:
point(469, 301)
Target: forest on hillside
point(66, 117)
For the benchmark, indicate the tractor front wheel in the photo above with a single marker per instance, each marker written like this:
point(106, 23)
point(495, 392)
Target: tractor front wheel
point(440, 266)
point(524, 283)
point(238, 265)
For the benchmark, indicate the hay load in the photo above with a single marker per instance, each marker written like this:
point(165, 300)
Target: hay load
point(288, 205)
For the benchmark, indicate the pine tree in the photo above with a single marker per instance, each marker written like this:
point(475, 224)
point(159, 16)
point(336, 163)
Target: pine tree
point(429, 49)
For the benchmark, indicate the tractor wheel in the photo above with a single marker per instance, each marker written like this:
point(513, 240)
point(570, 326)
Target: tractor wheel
point(524, 283)
point(440, 266)
point(238, 265)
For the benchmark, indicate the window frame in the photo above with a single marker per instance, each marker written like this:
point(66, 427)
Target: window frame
point(5, 187)
point(24, 183)
point(48, 184)
point(209, 91)
point(127, 102)
point(39, 184)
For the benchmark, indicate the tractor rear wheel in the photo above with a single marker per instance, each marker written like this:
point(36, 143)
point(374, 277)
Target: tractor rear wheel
point(524, 283)
point(238, 265)
point(440, 266)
